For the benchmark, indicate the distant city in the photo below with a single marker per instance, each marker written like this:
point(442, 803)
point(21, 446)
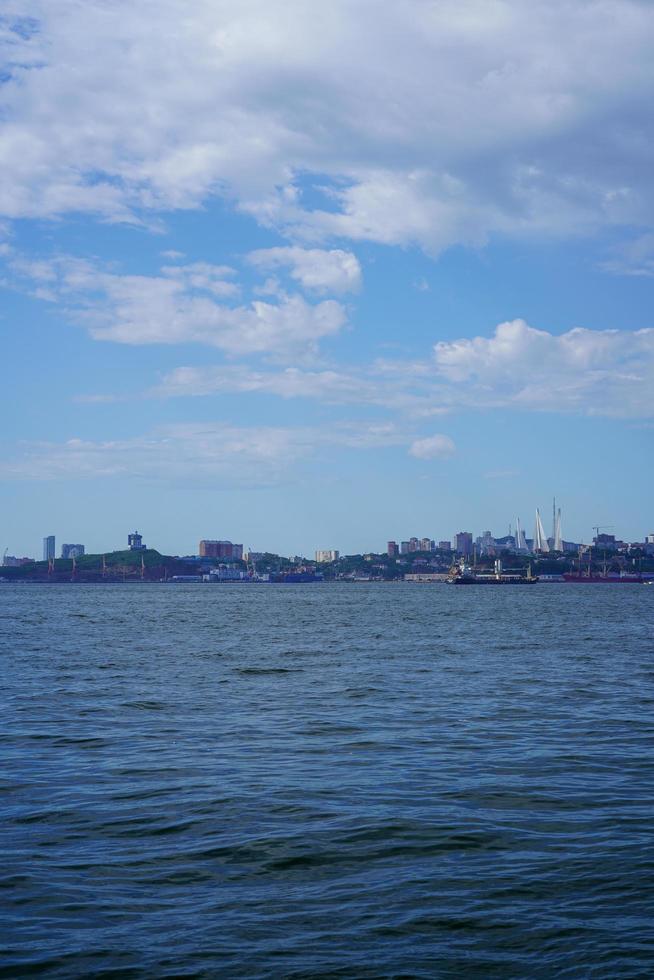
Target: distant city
point(418, 558)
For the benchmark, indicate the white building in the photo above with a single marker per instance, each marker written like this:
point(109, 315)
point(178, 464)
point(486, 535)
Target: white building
point(327, 556)
point(72, 550)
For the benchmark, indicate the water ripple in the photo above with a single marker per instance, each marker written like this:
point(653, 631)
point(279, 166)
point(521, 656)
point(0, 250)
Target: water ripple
point(323, 781)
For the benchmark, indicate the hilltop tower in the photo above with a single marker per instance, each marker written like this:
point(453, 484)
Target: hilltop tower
point(135, 542)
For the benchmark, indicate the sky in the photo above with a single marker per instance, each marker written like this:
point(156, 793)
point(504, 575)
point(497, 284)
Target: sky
point(313, 275)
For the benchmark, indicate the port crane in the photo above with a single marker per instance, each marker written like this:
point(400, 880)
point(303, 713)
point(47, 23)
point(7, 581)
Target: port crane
point(597, 528)
point(251, 567)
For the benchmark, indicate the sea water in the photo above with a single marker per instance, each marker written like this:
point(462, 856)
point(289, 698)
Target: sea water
point(342, 780)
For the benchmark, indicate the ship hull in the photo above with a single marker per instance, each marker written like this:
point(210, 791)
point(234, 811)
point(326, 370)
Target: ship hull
point(494, 581)
point(600, 580)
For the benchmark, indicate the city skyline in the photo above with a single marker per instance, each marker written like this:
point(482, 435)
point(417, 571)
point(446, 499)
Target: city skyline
point(462, 542)
point(296, 298)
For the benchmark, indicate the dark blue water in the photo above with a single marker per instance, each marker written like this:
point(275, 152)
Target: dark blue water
point(327, 781)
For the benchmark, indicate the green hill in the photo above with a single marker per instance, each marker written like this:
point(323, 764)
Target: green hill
point(116, 566)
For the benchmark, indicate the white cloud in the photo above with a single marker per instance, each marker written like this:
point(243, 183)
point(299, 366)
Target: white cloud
point(179, 306)
point(418, 122)
point(321, 270)
point(592, 372)
point(432, 447)
point(632, 258)
point(176, 451)
point(338, 387)
point(140, 310)
point(585, 372)
point(288, 383)
point(204, 276)
point(236, 456)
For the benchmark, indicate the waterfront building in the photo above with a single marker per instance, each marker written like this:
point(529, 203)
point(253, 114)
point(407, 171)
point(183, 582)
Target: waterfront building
point(135, 542)
point(327, 556)
point(210, 548)
point(392, 549)
point(463, 543)
point(72, 550)
point(48, 547)
point(225, 573)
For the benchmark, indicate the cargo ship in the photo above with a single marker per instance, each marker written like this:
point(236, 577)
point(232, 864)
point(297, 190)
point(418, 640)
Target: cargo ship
point(295, 578)
point(463, 574)
point(610, 579)
point(586, 576)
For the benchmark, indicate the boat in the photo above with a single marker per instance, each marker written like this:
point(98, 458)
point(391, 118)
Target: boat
point(295, 578)
point(586, 576)
point(595, 579)
point(463, 574)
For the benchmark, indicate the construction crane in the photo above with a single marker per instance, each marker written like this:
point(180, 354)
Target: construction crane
point(601, 527)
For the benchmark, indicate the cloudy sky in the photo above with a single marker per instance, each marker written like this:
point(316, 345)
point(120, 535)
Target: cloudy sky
point(311, 275)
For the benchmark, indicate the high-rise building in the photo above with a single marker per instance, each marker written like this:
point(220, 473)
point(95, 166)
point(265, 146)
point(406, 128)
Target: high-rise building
point(209, 548)
point(135, 542)
point(392, 549)
point(486, 543)
point(72, 550)
point(414, 544)
point(425, 544)
point(49, 547)
point(463, 543)
point(327, 555)
point(605, 541)
point(445, 545)
point(404, 548)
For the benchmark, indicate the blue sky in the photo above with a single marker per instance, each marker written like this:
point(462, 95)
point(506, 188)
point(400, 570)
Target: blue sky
point(308, 276)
